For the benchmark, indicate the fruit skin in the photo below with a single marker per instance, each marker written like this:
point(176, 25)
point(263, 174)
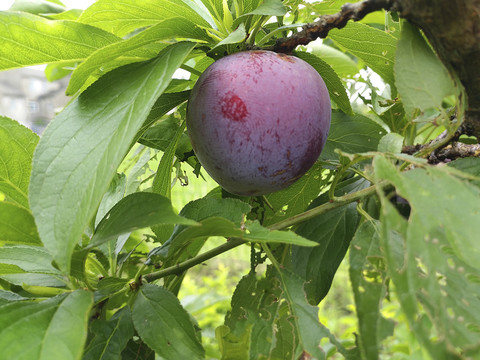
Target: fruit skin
point(258, 120)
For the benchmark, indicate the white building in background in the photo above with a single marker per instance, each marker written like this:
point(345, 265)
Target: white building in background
point(26, 96)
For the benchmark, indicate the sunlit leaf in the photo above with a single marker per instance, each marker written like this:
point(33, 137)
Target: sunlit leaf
point(375, 47)
point(121, 17)
point(17, 144)
point(80, 151)
point(28, 39)
point(136, 211)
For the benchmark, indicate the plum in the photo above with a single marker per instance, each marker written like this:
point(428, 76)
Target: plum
point(258, 120)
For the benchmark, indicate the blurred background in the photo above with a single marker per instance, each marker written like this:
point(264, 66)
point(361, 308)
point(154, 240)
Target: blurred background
point(25, 93)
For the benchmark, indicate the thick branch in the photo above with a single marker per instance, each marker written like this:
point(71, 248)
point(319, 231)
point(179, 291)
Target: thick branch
point(452, 27)
point(320, 28)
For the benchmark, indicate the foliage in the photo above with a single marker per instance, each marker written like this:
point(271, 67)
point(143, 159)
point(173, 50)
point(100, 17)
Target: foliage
point(93, 255)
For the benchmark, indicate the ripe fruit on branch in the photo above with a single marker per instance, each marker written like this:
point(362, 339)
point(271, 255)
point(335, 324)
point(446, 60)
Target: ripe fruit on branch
point(258, 120)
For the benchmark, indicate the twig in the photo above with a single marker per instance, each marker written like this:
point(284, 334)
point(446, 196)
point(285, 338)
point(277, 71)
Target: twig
point(320, 28)
point(234, 242)
point(187, 264)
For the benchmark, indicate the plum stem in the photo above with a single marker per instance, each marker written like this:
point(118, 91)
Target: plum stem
point(234, 242)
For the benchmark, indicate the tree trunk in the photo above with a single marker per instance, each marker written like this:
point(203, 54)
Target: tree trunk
point(453, 29)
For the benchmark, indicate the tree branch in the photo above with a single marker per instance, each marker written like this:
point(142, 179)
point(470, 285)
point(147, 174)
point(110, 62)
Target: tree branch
point(234, 242)
point(321, 28)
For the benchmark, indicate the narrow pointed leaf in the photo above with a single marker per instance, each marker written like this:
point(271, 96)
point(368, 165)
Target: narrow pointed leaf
point(136, 211)
point(121, 17)
point(42, 41)
point(165, 30)
point(80, 151)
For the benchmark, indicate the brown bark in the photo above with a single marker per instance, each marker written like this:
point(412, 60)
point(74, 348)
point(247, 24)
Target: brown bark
point(453, 29)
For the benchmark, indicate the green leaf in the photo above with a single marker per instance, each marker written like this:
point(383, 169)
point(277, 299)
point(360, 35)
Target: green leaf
point(271, 8)
point(255, 304)
point(33, 259)
point(95, 64)
point(368, 277)
point(294, 199)
point(72, 14)
point(351, 134)
point(121, 17)
point(8, 296)
point(470, 165)
point(29, 266)
point(136, 211)
point(333, 232)
point(255, 232)
point(341, 63)
point(308, 328)
point(110, 337)
point(81, 149)
point(59, 71)
point(17, 225)
point(164, 104)
point(176, 246)
point(37, 7)
point(453, 199)
point(136, 350)
point(17, 144)
point(218, 217)
point(30, 40)
point(159, 137)
point(52, 329)
point(164, 324)
point(420, 77)
point(433, 256)
point(375, 47)
point(335, 87)
point(115, 193)
point(6, 269)
point(16, 276)
point(235, 37)
point(391, 142)
point(162, 182)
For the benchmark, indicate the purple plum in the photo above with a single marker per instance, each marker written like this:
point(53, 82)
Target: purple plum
point(258, 120)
